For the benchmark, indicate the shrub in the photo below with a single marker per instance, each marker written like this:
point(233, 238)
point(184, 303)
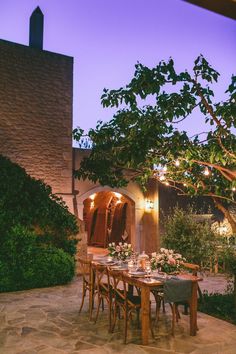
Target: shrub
point(218, 305)
point(194, 240)
point(31, 203)
point(26, 263)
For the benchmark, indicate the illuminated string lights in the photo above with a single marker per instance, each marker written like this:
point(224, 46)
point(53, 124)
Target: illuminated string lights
point(177, 163)
point(234, 189)
point(206, 171)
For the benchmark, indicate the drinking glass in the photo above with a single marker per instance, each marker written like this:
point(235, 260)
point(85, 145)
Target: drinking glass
point(148, 267)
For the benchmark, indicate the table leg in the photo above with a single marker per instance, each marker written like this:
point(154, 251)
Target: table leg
point(193, 310)
point(145, 319)
point(91, 293)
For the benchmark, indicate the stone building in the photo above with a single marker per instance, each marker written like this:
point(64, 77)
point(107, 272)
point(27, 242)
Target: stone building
point(36, 94)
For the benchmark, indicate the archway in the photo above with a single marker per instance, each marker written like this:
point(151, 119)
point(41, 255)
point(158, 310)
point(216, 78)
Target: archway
point(108, 217)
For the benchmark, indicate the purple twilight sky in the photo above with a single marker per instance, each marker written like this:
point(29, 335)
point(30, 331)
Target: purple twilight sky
point(107, 37)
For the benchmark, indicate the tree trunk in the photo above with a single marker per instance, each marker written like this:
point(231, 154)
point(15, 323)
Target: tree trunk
point(226, 213)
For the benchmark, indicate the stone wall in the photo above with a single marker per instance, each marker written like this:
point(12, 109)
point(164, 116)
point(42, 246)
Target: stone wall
point(36, 113)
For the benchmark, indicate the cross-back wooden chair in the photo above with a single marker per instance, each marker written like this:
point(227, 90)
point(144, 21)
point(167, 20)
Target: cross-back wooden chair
point(85, 267)
point(103, 289)
point(124, 300)
point(193, 269)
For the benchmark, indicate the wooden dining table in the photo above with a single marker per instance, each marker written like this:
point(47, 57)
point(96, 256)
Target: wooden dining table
point(146, 284)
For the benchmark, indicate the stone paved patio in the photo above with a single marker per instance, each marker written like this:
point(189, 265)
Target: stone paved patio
point(46, 321)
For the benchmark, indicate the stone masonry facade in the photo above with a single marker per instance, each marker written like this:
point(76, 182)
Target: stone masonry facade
point(36, 92)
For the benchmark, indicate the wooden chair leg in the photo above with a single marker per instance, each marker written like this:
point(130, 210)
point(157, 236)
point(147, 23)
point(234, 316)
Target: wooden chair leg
point(99, 303)
point(138, 317)
point(126, 325)
point(151, 326)
point(172, 306)
point(83, 296)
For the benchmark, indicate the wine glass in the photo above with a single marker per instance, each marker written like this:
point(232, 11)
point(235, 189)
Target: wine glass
point(148, 269)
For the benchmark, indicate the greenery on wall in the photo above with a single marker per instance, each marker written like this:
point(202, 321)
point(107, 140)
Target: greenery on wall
point(37, 232)
point(30, 202)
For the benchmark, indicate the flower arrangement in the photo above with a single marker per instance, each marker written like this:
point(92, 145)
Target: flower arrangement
point(167, 260)
point(121, 251)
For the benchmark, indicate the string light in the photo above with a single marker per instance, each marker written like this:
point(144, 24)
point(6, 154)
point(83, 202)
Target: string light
point(206, 171)
point(177, 163)
point(167, 183)
point(234, 189)
point(165, 168)
point(162, 178)
point(185, 185)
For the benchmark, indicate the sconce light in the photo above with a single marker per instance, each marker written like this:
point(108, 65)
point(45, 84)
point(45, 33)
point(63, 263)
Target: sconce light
point(149, 205)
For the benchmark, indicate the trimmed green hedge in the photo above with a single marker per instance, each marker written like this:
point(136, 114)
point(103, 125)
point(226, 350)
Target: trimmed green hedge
point(26, 263)
point(218, 305)
point(37, 242)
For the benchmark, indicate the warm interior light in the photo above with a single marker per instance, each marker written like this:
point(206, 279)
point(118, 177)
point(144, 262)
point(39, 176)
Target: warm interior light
point(118, 195)
point(149, 204)
point(92, 196)
point(92, 204)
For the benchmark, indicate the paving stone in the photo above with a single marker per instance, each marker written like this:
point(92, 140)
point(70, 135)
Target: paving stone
point(46, 321)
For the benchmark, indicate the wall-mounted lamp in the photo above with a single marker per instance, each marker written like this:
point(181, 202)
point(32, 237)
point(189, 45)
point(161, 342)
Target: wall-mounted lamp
point(149, 205)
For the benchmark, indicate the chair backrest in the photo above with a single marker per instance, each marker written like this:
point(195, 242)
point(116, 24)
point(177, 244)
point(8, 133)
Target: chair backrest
point(193, 268)
point(85, 268)
point(117, 284)
point(101, 279)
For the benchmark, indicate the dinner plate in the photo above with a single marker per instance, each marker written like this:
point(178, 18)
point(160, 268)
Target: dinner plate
point(119, 268)
point(137, 274)
point(108, 262)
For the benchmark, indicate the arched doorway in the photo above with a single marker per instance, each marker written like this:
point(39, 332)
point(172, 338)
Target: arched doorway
point(108, 217)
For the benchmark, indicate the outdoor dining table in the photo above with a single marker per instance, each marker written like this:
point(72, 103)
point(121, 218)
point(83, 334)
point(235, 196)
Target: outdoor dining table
point(146, 284)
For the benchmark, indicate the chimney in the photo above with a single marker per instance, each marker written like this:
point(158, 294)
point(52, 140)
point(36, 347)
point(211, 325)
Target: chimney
point(36, 29)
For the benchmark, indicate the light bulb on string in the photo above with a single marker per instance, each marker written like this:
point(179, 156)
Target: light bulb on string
point(165, 168)
point(177, 163)
point(206, 171)
point(234, 189)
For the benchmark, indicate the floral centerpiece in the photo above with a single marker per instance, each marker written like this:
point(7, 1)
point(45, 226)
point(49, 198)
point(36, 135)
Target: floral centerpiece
point(167, 261)
point(122, 251)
